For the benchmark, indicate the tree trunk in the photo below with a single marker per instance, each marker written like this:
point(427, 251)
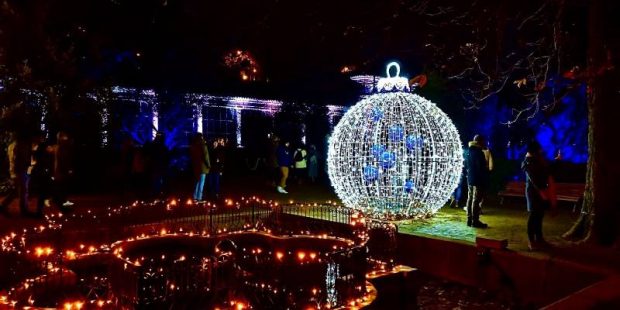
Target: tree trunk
point(600, 213)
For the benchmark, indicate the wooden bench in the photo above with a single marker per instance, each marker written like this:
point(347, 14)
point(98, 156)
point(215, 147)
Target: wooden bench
point(570, 192)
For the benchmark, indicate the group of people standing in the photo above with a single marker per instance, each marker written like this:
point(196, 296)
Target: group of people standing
point(38, 166)
point(539, 187)
point(282, 159)
point(207, 165)
point(145, 168)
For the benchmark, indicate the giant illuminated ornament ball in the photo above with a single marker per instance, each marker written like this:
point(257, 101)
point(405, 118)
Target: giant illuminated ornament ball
point(394, 154)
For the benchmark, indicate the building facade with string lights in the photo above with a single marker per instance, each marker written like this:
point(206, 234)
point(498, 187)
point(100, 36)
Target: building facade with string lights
point(141, 113)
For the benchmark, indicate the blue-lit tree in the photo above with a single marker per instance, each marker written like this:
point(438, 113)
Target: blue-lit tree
point(529, 50)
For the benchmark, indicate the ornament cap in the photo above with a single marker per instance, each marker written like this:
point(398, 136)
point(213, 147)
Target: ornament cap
point(394, 83)
point(390, 65)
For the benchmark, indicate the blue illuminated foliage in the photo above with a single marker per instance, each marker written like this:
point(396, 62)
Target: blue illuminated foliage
point(138, 127)
point(562, 127)
point(566, 130)
point(174, 124)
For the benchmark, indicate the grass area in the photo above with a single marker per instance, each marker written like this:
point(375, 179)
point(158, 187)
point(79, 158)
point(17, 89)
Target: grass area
point(506, 221)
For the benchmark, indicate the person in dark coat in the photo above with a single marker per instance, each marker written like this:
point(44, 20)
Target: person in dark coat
point(158, 159)
point(40, 172)
point(477, 181)
point(199, 157)
point(285, 161)
point(62, 169)
point(313, 164)
point(273, 168)
point(538, 193)
point(19, 153)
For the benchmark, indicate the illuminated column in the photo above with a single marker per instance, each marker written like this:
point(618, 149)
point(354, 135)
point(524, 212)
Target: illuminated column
point(154, 120)
point(303, 133)
point(238, 118)
point(104, 126)
point(330, 117)
point(43, 117)
point(332, 112)
point(198, 117)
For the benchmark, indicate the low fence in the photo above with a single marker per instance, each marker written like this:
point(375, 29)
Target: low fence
point(119, 224)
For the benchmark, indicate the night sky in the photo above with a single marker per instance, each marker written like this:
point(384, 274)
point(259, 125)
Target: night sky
point(181, 44)
point(300, 47)
point(288, 38)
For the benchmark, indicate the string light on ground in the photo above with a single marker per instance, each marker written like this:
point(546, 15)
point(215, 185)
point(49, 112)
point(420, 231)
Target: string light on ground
point(394, 154)
point(157, 222)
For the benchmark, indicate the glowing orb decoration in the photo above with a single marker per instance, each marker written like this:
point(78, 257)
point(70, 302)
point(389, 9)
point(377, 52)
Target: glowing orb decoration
point(395, 155)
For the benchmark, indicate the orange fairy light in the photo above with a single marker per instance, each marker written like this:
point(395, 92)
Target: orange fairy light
point(71, 255)
point(73, 305)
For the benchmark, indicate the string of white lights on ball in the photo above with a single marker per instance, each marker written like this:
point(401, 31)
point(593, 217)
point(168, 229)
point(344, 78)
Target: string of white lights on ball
point(395, 155)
